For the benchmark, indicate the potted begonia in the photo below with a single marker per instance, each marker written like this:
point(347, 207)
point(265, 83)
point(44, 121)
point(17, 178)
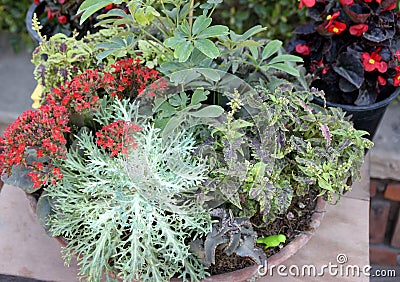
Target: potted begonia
point(351, 49)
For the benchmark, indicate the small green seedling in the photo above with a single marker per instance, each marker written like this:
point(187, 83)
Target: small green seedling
point(272, 241)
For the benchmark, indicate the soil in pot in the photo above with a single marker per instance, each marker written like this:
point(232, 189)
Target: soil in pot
point(296, 220)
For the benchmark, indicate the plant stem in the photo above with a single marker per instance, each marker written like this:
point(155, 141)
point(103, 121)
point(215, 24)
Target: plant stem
point(191, 14)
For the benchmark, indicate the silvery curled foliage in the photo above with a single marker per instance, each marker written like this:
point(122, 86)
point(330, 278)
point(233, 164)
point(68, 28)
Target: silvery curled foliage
point(133, 215)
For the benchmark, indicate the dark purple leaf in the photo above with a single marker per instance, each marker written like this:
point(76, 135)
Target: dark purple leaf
point(305, 29)
point(357, 13)
point(350, 67)
point(366, 97)
point(346, 86)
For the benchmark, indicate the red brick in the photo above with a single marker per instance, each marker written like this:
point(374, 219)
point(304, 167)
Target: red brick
point(373, 185)
point(392, 192)
point(396, 234)
point(382, 255)
point(378, 218)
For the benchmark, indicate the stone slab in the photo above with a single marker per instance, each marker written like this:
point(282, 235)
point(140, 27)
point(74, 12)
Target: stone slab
point(385, 155)
point(25, 249)
point(343, 231)
point(16, 80)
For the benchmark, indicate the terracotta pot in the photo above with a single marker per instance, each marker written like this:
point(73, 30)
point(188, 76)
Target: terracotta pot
point(250, 272)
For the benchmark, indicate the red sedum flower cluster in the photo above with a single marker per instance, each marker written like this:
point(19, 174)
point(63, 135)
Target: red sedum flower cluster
point(117, 137)
point(127, 80)
point(131, 78)
point(42, 131)
point(47, 132)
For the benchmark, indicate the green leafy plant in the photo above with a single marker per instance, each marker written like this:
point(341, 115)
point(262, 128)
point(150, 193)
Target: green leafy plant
point(140, 208)
point(60, 58)
point(277, 15)
point(272, 241)
point(12, 21)
point(180, 39)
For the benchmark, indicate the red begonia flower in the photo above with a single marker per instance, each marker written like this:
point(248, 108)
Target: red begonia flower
point(381, 80)
point(62, 19)
point(36, 2)
point(49, 14)
point(373, 62)
point(109, 7)
point(397, 55)
point(347, 2)
point(307, 3)
point(358, 29)
point(390, 7)
point(337, 27)
point(396, 78)
point(303, 49)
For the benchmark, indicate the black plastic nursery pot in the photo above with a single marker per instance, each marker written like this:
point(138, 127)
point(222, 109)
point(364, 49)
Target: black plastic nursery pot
point(366, 117)
point(38, 10)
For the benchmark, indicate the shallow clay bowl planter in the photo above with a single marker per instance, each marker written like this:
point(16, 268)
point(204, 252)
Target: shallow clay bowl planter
point(249, 272)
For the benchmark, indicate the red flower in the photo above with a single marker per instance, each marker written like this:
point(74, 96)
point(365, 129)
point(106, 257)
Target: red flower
point(109, 7)
point(396, 79)
point(62, 19)
point(381, 80)
point(347, 2)
point(40, 132)
point(358, 29)
point(373, 62)
point(337, 27)
point(61, 1)
point(332, 17)
point(117, 137)
point(397, 55)
point(36, 2)
point(307, 3)
point(303, 49)
point(49, 14)
point(389, 7)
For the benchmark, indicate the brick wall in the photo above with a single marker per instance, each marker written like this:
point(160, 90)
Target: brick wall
point(384, 222)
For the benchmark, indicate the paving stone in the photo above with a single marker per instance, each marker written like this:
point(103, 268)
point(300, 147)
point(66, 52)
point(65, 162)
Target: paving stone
point(16, 78)
point(385, 155)
point(378, 218)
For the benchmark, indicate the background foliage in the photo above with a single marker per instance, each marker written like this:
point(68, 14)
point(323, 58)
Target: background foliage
point(12, 21)
point(279, 16)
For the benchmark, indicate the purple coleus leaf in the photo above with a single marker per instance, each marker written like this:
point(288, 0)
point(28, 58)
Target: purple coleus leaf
point(327, 134)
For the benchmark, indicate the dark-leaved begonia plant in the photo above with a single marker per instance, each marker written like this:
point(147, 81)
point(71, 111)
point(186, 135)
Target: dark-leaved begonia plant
point(60, 16)
point(351, 48)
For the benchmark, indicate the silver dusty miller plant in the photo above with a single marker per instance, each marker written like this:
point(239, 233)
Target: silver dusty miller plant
point(132, 216)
